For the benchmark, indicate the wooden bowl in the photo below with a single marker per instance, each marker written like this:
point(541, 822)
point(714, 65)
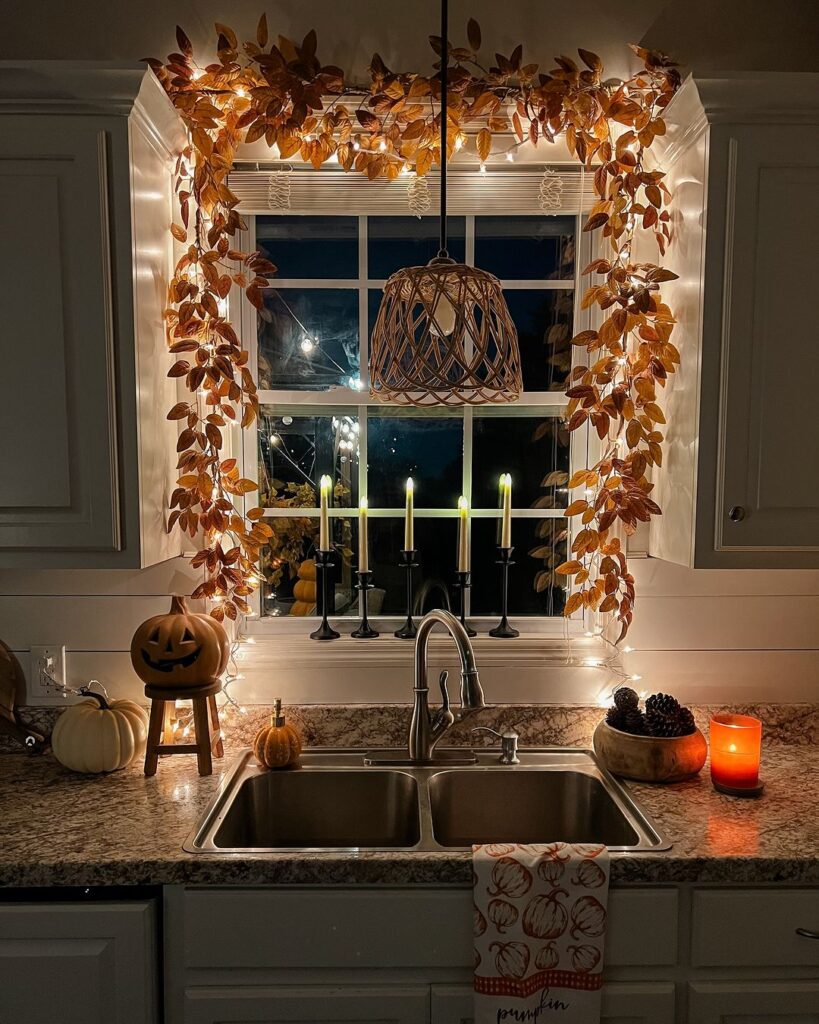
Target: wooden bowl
point(649, 758)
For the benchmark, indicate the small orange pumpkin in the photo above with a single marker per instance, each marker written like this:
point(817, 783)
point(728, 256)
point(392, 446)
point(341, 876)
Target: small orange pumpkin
point(277, 745)
point(180, 648)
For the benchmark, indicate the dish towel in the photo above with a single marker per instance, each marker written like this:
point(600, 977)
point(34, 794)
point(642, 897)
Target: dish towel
point(540, 925)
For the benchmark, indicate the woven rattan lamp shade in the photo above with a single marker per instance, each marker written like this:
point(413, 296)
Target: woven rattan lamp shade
point(444, 336)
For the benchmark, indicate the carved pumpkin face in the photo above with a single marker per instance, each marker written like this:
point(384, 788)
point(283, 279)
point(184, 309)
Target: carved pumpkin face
point(180, 648)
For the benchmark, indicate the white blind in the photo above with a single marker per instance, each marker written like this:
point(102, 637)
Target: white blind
point(332, 191)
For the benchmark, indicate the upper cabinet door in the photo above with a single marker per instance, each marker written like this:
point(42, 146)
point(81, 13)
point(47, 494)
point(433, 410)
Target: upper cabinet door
point(58, 418)
point(739, 487)
point(768, 487)
point(88, 457)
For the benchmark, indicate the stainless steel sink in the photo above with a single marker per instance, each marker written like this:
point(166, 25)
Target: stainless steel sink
point(304, 810)
point(527, 806)
point(333, 802)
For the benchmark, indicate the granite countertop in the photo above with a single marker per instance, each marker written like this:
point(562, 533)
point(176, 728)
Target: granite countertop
point(58, 828)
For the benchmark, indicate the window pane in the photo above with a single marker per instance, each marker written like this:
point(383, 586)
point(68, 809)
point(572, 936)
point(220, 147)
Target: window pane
point(540, 546)
point(526, 248)
point(295, 451)
point(396, 242)
point(320, 247)
point(308, 339)
point(528, 447)
point(436, 541)
point(288, 569)
point(544, 323)
point(427, 448)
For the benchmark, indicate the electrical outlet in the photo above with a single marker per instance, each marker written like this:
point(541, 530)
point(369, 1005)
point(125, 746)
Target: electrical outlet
point(47, 661)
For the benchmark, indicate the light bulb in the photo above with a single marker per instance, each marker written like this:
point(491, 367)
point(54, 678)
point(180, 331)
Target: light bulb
point(241, 93)
point(459, 141)
point(443, 319)
point(382, 146)
point(307, 345)
point(356, 145)
point(510, 156)
point(483, 168)
point(273, 439)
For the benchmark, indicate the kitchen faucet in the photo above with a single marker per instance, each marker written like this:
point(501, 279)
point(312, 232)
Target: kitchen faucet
point(426, 729)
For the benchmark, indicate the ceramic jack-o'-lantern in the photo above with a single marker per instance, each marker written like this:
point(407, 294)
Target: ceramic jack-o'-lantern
point(180, 648)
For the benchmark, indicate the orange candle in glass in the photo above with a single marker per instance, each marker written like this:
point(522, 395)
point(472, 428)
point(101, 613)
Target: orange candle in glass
point(736, 741)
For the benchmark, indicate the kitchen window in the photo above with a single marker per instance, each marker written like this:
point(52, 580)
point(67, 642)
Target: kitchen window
point(310, 346)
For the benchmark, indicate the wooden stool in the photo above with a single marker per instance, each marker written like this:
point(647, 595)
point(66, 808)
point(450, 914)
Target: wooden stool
point(205, 718)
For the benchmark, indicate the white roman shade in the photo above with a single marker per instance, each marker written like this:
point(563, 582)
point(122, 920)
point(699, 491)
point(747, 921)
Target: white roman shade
point(503, 189)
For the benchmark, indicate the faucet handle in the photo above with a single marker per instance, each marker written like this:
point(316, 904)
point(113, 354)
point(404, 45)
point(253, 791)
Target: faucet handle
point(509, 743)
point(442, 679)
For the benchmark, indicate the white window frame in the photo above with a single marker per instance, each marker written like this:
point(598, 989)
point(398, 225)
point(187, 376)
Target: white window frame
point(584, 445)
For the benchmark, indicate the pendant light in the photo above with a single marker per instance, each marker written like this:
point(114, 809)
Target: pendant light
point(444, 335)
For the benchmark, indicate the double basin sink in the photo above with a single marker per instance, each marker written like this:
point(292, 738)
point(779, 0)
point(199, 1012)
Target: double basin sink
point(335, 801)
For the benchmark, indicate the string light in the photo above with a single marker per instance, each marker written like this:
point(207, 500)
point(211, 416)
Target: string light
point(382, 146)
point(307, 345)
point(483, 168)
point(510, 156)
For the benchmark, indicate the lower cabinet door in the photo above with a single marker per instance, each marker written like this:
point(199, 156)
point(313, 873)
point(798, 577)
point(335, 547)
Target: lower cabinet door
point(623, 1003)
point(309, 1004)
point(748, 1002)
point(72, 963)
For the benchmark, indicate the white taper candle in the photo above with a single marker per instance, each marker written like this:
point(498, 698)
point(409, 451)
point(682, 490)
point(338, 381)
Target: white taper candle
point(325, 486)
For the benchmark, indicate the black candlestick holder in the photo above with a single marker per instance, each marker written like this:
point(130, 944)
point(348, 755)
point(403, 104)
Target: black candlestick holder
point(463, 584)
point(365, 630)
point(409, 629)
point(324, 566)
point(503, 629)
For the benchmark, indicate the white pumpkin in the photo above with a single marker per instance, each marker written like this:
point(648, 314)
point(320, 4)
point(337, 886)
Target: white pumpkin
point(97, 736)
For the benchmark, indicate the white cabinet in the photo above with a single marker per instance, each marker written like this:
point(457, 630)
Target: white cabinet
point(310, 1004)
point(86, 157)
point(78, 963)
point(753, 1002)
point(736, 488)
point(622, 1003)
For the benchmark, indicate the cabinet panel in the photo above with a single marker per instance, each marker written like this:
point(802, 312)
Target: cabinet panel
point(77, 964)
point(754, 928)
point(744, 1002)
point(767, 390)
point(623, 1003)
point(58, 423)
point(314, 1004)
point(397, 928)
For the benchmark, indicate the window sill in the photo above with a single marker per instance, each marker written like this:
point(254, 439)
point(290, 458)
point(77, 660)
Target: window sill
point(284, 649)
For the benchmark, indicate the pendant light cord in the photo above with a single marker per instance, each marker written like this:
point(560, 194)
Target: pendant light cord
point(444, 116)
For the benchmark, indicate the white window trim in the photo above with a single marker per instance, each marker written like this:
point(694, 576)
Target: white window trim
point(544, 632)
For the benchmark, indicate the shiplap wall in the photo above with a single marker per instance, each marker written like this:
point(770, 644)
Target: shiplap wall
point(704, 634)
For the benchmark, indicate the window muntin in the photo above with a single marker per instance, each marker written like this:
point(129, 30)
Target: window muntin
point(444, 450)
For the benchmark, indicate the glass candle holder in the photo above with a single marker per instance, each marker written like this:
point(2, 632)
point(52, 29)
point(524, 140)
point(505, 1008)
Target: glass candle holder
point(736, 742)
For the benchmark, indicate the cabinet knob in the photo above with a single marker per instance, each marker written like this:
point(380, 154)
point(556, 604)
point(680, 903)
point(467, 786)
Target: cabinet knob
point(736, 513)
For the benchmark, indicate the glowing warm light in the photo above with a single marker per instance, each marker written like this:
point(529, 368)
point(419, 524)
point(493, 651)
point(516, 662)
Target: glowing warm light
point(736, 742)
point(483, 168)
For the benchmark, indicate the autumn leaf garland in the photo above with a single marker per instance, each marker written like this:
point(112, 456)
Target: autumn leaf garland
point(280, 92)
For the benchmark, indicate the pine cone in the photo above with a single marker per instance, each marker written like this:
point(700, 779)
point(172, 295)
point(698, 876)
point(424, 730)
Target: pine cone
point(663, 704)
point(661, 726)
point(629, 720)
point(687, 723)
point(634, 722)
point(625, 697)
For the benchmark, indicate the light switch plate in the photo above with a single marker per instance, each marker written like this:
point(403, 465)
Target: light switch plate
point(40, 689)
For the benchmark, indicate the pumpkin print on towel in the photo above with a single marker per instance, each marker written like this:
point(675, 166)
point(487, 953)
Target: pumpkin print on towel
point(539, 925)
